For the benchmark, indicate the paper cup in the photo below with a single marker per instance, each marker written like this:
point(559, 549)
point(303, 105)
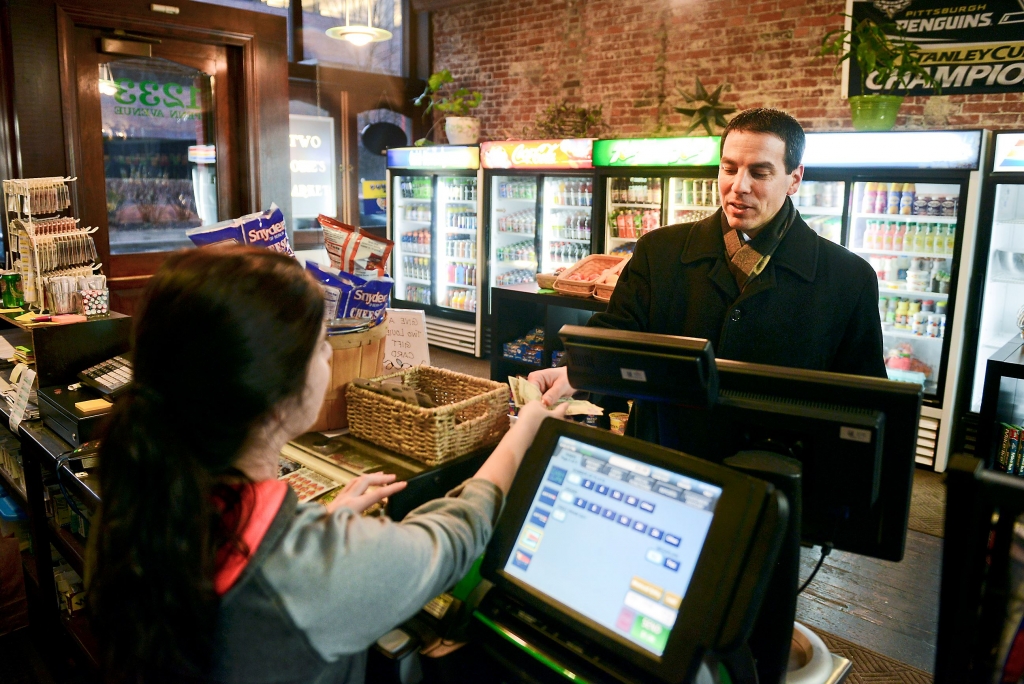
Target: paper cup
point(618, 421)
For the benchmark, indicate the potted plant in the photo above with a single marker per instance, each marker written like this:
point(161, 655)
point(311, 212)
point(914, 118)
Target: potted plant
point(460, 128)
point(566, 120)
point(895, 62)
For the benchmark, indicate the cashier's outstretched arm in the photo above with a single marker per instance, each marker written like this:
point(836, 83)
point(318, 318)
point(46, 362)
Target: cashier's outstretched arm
point(503, 463)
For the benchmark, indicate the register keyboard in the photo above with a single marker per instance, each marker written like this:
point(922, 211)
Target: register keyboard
point(110, 378)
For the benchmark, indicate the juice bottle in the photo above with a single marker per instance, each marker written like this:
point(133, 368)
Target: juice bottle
point(889, 239)
point(950, 239)
point(929, 239)
point(940, 239)
point(870, 233)
point(868, 201)
point(893, 198)
point(907, 199)
point(897, 241)
point(881, 199)
point(919, 241)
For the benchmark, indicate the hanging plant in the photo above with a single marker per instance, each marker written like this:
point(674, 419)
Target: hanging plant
point(708, 111)
point(567, 120)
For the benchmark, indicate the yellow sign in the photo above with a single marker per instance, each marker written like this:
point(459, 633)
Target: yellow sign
point(533, 154)
point(375, 189)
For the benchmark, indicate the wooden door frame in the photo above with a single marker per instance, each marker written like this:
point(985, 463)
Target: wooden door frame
point(242, 67)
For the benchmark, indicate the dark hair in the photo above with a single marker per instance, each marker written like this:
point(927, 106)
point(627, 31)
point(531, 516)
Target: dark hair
point(775, 122)
point(221, 338)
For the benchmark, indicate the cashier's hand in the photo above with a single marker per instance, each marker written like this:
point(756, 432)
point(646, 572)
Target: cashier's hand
point(521, 435)
point(553, 382)
point(358, 496)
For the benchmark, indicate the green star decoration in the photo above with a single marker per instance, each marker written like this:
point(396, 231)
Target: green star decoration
point(710, 112)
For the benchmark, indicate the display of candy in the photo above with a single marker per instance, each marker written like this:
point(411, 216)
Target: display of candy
point(528, 348)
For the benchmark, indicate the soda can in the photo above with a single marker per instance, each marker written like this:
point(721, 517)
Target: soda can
point(12, 293)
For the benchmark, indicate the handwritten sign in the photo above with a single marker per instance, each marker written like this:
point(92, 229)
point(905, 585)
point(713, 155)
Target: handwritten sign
point(406, 344)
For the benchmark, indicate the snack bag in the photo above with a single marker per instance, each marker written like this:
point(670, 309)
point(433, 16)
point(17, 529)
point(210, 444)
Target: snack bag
point(336, 238)
point(348, 298)
point(266, 229)
point(355, 251)
point(216, 235)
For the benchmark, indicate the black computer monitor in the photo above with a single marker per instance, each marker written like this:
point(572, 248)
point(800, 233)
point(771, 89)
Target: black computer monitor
point(636, 558)
point(855, 436)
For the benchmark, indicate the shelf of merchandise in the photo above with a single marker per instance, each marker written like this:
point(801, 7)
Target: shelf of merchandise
point(465, 287)
point(417, 281)
point(632, 205)
point(562, 239)
point(11, 486)
point(821, 211)
point(418, 223)
point(461, 260)
point(459, 201)
point(907, 335)
point(907, 218)
point(911, 293)
point(882, 252)
point(524, 236)
point(518, 263)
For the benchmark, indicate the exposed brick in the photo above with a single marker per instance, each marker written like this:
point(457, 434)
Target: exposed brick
point(632, 56)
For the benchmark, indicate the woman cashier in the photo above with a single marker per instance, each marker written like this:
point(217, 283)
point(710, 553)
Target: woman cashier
point(203, 565)
point(752, 278)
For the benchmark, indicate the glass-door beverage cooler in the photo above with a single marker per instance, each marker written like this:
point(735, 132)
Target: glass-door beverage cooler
point(998, 276)
point(539, 204)
point(654, 182)
point(910, 204)
point(434, 221)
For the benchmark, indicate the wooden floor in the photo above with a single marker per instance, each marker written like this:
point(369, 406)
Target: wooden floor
point(891, 608)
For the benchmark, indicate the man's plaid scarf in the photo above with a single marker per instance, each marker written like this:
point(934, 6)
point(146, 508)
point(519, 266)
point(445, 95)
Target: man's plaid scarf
point(748, 259)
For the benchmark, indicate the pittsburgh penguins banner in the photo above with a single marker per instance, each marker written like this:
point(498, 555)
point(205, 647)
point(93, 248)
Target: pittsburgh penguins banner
point(968, 47)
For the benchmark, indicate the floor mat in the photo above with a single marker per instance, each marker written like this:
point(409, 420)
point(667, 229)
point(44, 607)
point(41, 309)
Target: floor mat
point(870, 667)
point(928, 503)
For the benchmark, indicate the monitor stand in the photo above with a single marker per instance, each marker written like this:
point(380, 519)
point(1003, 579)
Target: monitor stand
point(772, 634)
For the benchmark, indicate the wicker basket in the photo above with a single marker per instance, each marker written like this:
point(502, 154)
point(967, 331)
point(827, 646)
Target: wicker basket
point(471, 413)
point(546, 280)
point(602, 290)
point(595, 263)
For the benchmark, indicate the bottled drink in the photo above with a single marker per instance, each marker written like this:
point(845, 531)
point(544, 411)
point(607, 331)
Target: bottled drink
point(868, 241)
point(919, 241)
point(950, 239)
point(881, 199)
point(893, 198)
point(907, 199)
point(929, 239)
point(889, 237)
point(898, 239)
point(868, 200)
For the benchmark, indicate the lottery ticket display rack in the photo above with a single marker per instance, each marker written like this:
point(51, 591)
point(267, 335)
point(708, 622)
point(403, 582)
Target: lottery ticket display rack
point(44, 238)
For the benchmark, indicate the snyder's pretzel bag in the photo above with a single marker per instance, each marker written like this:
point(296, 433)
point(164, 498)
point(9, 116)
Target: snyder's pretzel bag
point(358, 252)
point(350, 298)
point(263, 229)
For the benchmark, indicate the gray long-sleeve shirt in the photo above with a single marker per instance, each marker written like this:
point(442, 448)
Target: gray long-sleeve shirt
point(322, 587)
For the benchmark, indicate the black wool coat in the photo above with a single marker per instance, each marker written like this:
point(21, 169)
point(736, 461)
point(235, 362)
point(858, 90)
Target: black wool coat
point(815, 305)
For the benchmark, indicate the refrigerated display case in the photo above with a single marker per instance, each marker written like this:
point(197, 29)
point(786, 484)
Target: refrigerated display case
point(434, 220)
point(911, 211)
point(539, 204)
point(997, 276)
point(653, 182)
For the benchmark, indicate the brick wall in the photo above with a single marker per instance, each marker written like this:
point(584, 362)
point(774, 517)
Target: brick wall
point(632, 55)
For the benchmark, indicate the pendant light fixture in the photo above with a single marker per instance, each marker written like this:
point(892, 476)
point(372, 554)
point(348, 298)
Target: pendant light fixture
point(359, 34)
point(107, 84)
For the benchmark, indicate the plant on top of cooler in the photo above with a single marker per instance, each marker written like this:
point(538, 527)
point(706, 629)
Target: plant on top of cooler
point(565, 120)
point(880, 49)
point(455, 105)
point(707, 110)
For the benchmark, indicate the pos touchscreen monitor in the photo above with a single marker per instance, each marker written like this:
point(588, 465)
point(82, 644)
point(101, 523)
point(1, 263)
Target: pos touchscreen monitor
point(649, 556)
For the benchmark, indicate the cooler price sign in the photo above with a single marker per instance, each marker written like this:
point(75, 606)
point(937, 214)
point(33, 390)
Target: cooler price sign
point(434, 157)
point(696, 151)
point(538, 154)
point(311, 141)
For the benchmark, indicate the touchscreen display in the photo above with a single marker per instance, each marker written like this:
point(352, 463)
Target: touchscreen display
point(614, 539)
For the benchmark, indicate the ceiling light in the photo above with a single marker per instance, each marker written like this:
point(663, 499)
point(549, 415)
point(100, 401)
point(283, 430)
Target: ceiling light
point(359, 34)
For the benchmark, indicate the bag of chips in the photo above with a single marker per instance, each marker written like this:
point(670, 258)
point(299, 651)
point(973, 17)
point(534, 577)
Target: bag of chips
point(264, 229)
point(349, 300)
point(216, 235)
point(358, 252)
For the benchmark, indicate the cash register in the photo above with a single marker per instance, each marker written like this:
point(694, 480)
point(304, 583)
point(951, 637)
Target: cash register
point(616, 560)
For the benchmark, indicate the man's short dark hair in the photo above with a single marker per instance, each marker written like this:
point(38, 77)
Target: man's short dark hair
point(775, 122)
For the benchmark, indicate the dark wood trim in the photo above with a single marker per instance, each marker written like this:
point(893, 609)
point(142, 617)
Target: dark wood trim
point(295, 44)
point(67, 65)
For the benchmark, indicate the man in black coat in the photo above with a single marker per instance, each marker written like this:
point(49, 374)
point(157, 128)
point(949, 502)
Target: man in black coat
point(753, 278)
